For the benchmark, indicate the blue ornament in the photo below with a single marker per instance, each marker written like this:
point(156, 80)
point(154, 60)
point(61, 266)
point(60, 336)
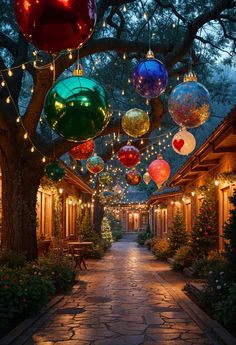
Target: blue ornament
point(189, 103)
point(150, 77)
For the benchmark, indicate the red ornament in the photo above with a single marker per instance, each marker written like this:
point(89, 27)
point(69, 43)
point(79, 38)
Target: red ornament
point(82, 151)
point(205, 234)
point(178, 144)
point(133, 177)
point(159, 171)
point(56, 25)
point(129, 155)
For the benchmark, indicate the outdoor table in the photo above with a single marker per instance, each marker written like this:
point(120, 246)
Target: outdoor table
point(78, 250)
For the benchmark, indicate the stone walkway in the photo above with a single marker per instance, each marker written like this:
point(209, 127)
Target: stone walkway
point(120, 302)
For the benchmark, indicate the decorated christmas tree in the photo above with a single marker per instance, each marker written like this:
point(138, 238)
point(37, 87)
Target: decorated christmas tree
point(106, 233)
point(178, 236)
point(230, 234)
point(205, 230)
point(86, 232)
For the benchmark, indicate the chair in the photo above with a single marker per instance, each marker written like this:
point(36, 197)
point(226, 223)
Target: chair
point(78, 256)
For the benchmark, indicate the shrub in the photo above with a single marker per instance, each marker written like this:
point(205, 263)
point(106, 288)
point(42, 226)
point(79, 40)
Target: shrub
point(142, 236)
point(12, 260)
point(106, 233)
point(148, 243)
point(60, 270)
point(178, 235)
point(215, 261)
point(226, 309)
point(182, 258)
point(160, 248)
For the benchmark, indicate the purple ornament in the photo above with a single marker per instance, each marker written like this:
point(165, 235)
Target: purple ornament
point(150, 78)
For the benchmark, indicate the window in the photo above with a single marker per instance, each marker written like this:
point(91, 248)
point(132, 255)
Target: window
point(44, 214)
point(70, 218)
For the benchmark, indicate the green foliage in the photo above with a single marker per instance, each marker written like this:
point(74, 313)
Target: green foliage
point(160, 248)
point(215, 261)
point(87, 233)
point(226, 308)
point(106, 233)
point(178, 236)
point(116, 227)
point(205, 230)
point(148, 243)
point(142, 236)
point(183, 258)
point(12, 260)
point(230, 235)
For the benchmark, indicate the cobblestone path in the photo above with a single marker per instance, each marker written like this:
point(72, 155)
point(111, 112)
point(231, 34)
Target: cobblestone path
point(120, 302)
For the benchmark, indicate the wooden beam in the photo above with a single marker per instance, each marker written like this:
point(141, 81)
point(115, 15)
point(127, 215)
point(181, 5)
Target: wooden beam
point(199, 169)
point(224, 149)
point(209, 162)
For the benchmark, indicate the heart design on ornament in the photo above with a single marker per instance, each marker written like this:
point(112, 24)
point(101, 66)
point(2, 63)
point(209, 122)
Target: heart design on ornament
point(178, 144)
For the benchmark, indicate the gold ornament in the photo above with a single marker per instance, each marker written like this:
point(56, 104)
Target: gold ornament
point(190, 76)
point(135, 122)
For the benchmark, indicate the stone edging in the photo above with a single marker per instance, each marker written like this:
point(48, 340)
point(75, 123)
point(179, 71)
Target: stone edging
point(218, 334)
point(25, 329)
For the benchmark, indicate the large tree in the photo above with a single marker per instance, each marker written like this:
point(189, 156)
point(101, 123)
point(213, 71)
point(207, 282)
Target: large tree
point(178, 28)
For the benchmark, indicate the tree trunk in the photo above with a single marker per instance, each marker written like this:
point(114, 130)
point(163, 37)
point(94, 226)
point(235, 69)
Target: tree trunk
point(20, 183)
point(98, 215)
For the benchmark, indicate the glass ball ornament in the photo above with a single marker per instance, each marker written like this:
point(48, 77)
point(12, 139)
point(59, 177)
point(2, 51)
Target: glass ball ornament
point(146, 178)
point(133, 177)
point(56, 25)
point(135, 122)
point(159, 170)
point(129, 155)
point(105, 178)
point(82, 151)
point(76, 108)
point(95, 164)
point(183, 142)
point(150, 77)
point(54, 172)
point(189, 103)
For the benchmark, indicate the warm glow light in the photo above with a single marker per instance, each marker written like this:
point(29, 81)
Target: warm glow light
point(193, 193)
point(217, 183)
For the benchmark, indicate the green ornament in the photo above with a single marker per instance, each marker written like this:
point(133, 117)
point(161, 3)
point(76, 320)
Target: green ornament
point(76, 108)
point(105, 178)
point(54, 172)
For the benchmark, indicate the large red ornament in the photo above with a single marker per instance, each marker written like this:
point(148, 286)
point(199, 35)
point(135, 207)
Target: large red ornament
point(159, 171)
point(133, 177)
point(82, 151)
point(129, 155)
point(56, 25)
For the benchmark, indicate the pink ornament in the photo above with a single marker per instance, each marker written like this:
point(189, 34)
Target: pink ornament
point(159, 171)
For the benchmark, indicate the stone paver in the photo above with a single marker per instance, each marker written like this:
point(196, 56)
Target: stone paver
point(120, 302)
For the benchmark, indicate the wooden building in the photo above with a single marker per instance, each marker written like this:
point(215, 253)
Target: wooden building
point(214, 161)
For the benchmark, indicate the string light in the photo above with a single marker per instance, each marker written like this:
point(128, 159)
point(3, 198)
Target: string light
point(43, 159)
point(32, 149)
point(10, 73)
point(26, 136)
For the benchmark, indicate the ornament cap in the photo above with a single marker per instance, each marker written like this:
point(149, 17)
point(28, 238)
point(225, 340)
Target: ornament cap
point(78, 71)
point(159, 156)
point(150, 54)
point(190, 76)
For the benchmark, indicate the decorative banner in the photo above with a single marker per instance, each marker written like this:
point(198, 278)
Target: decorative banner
point(54, 172)
point(189, 103)
point(56, 25)
point(82, 151)
point(105, 178)
point(159, 170)
point(76, 108)
point(183, 142)
point(133, 177)
point(150, 77)
point(129, 155)
point(146, 178)
point(135, 122)
point(95, 164)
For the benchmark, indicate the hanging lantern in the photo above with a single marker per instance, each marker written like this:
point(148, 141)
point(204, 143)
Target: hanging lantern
point(135, 122)
point(95, 164)
point(159, 171)
point(82, 151)
point(129, 155)
point(54, 172)
point(183, 142)
point(150, 77)
point(56, 25)
point(189, 103)
point(118, 189)
point(146, 178)
point(105, 178)
point(133, 177)
point(76, 108)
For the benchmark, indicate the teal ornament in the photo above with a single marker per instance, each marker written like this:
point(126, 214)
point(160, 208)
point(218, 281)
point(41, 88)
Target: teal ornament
point(76, 108)
point(54, 172)
point(95, 164)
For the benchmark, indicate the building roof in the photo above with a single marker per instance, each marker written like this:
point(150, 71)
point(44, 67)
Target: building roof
point(221, 141)
point(77, 181)
point(163, 193)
